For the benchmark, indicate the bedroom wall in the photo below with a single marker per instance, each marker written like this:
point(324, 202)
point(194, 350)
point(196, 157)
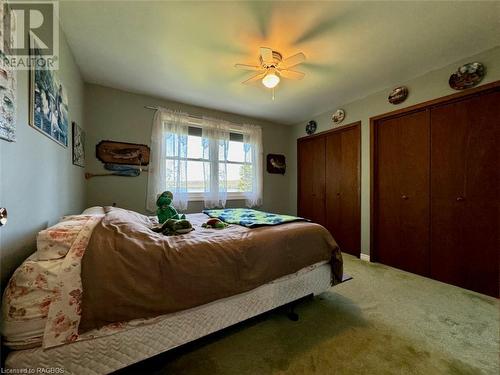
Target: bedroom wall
point(426, 87)
point(38, 182)
point(117, 115)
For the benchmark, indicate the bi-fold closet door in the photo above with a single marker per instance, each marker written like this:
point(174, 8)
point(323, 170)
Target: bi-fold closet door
point(402, 207)
point(329, 184)
point(436, 192)
point(465, 200)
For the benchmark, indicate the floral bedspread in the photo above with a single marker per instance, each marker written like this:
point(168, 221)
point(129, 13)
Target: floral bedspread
point(65, 311)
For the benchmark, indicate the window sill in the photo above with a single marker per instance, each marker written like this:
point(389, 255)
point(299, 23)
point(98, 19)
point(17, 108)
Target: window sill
point(198, 197)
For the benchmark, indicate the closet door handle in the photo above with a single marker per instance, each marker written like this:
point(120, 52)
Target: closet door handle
point(460, 199)
point(404, 197)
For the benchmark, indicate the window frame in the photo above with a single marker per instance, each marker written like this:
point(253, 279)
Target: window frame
point(199, 196)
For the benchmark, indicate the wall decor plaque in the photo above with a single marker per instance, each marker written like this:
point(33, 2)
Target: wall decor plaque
point(311, 127)
point(467, 76)
point(338, 116)
point(122, 153)
point(398, 95)
point(276, 163)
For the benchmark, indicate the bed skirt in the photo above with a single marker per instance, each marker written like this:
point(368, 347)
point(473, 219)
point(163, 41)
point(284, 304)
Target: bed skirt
point(106, 354)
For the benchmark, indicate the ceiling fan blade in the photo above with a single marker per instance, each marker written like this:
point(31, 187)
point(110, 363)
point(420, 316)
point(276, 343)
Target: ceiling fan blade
point(293, 60)
point(247, 67)
point(291, 74)
point(254, 78)
point(267, 55)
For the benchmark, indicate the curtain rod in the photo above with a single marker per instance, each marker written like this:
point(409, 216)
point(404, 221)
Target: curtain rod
point(196, 119)
point(156, 108)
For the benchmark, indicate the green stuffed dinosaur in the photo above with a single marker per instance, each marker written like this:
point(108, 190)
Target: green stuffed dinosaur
point(165, 209)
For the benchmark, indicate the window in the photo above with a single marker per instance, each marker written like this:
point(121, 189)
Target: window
point(209, 164)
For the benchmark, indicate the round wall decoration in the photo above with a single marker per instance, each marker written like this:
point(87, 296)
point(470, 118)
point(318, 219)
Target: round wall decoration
point(311, 127)
point(467, 76)
point(338, 116)
point(398, 95)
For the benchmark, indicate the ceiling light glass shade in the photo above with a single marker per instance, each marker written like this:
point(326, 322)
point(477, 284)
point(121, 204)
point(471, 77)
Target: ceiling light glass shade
point(271, 80)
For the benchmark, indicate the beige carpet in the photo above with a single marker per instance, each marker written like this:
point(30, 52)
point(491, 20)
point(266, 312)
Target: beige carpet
point(384, 321)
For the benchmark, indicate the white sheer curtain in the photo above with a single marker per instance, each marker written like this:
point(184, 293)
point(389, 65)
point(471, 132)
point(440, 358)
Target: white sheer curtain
point(168, 166)
point(252, 139)
point(215, 139)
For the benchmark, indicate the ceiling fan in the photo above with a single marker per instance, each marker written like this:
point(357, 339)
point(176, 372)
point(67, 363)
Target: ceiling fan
point(273, 66)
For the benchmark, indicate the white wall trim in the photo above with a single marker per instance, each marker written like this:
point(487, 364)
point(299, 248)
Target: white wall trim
point(365, 257)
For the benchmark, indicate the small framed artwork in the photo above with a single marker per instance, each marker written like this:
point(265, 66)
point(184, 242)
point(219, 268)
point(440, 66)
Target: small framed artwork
point(48, 101)
point(276, 163)
point(78, 145)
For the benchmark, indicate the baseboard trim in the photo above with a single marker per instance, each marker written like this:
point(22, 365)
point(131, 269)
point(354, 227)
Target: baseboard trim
point(364, 257)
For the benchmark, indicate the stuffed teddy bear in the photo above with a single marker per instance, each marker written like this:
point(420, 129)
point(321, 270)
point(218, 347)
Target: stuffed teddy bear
point(165, 209)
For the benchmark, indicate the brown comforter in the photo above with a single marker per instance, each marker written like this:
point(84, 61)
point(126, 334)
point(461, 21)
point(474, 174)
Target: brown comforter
point(130, 272)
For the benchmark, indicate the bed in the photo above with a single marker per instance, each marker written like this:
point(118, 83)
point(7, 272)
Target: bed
point(120, 337)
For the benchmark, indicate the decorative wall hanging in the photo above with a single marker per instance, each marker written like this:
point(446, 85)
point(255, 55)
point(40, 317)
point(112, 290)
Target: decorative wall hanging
point(338, 116)
point(78, 145)
point(311, 127)
point(467, 76)
point(276, 163)
point(7, 79)
point(398, 95)
point(112, 152)
point(48, 102)
point(118, 170)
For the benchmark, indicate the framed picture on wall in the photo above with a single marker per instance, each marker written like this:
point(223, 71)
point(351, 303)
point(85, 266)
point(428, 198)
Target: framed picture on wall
point(78, 145)
point(7, 79)
point(48, 101)
point(276, 163)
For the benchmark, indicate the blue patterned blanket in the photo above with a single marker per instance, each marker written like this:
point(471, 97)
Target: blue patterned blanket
point(250, 218)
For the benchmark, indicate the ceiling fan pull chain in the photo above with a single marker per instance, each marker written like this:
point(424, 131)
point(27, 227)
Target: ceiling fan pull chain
point(273, 92)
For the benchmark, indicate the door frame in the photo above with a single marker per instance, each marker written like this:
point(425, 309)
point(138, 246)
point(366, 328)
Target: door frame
point(357, 125)
point(375, 120)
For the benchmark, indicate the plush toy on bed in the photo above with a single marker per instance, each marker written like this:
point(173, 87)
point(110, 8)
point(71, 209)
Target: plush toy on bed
point(172, 227)
point(165, 209)
point(214, 223)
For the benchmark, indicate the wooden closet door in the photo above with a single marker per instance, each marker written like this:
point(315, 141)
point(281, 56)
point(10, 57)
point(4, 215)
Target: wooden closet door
point(402, 192)
point(342, 189)
point(311, 176)
point(465, 193)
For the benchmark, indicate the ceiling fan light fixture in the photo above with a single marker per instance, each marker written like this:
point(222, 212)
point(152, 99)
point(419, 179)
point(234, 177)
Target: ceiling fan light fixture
point(271, 79)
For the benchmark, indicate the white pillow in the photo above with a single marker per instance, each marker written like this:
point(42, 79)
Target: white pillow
point(95, 210)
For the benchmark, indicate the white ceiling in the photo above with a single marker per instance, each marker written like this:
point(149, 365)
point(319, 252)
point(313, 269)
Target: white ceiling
point(185, 51)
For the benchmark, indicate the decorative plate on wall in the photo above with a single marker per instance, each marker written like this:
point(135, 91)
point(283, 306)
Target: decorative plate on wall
point(311, 127)
point(398, 95)
point(467, 76)
point(338, 116)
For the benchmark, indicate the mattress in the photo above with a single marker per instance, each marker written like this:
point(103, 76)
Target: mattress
point(104, 354)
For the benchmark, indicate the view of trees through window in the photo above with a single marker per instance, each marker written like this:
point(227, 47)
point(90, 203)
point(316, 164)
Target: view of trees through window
point(199, 165)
